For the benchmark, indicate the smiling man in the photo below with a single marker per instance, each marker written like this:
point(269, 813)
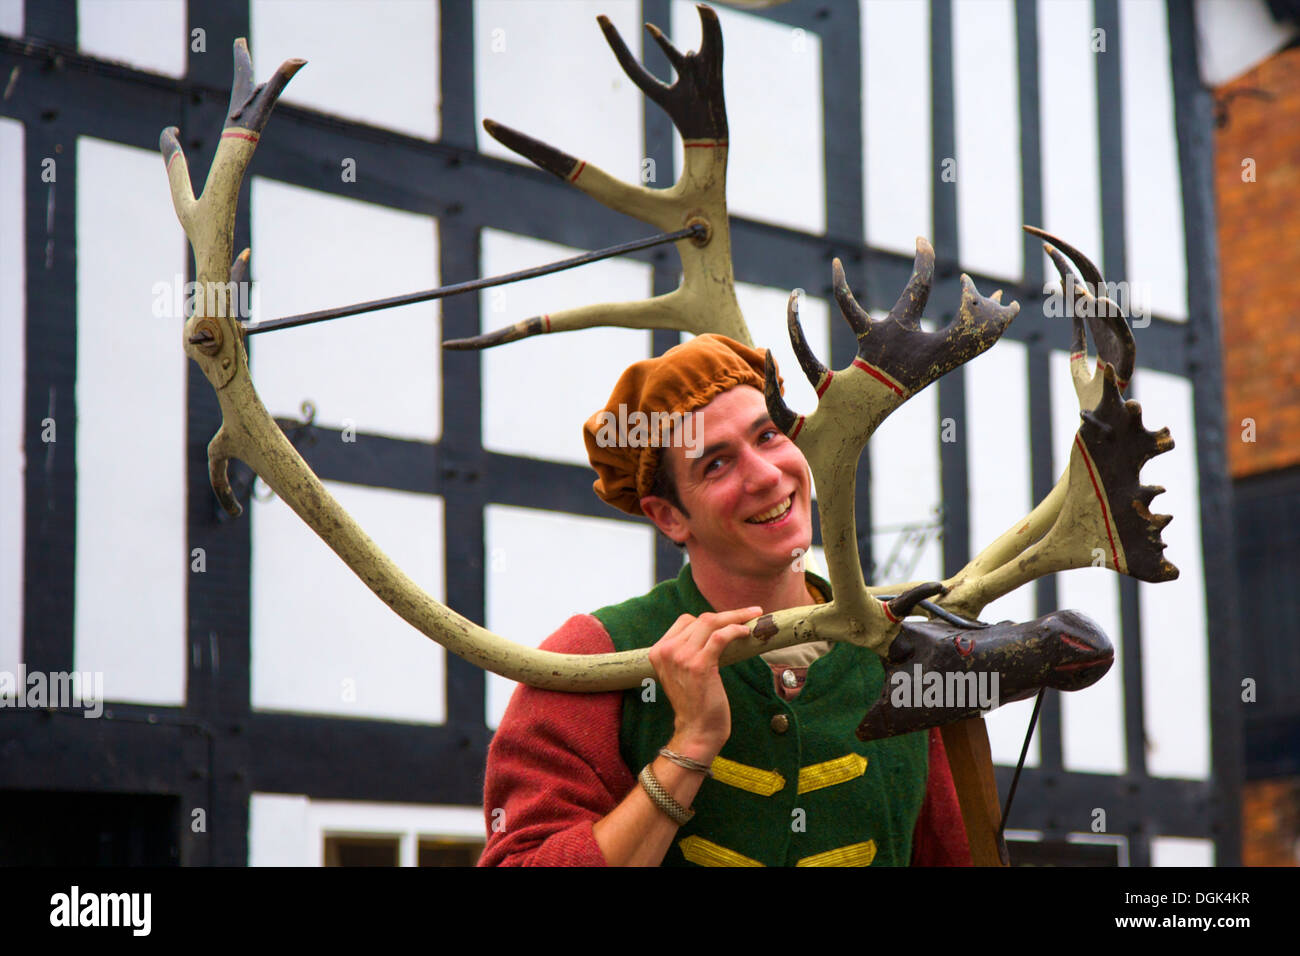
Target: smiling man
point(754, 764)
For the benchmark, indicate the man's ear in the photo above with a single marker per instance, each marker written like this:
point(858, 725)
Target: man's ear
point(666, 517)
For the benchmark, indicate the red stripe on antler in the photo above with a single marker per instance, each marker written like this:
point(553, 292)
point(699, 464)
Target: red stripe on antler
point(1101, 498)
point(881, 376)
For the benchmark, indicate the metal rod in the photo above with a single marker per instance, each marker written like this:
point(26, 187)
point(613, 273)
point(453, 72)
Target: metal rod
point(1024, 750)
point(941, 613)
point(307, 318)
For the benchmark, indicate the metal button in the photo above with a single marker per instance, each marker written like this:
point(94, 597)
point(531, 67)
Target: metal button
point(780, 724)
point(789, 679)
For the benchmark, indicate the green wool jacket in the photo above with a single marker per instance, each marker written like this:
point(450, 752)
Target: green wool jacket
point(793, 786)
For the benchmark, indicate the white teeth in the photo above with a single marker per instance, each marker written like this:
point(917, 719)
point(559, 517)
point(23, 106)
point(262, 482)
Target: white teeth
point(776, 512)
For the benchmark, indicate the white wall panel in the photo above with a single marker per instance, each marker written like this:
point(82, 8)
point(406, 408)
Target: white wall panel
point(987, 118)
point(1006, 727)
point(997, 453)
point(776, 168)
point(148, 34)
point(905, 483)
point(545, 69)
point(1001, 493)
point(129, 415)
point(898, 166)
point(379, 371)
point(321, 641)
point(11, 17)
point(538, 392)
point(278, 833)
point(545, 567)
point(13, 382)
point(1092, 720)
point(1181, 851)
point(1175, 661)
point(1233, 36)
point(377, 65)
point(1068, 129)
point(1153, 194)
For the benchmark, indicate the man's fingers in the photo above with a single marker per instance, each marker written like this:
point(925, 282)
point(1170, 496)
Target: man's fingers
point(740, 615)
point(698, 634)
point(721, 638)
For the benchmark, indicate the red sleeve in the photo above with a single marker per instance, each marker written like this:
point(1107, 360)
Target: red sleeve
point(554, 767)
point(940, 835)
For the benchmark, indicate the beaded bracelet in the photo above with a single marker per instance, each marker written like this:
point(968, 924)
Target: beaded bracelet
point(662, 798)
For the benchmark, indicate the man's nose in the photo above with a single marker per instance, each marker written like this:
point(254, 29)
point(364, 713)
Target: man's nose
point(760, 473)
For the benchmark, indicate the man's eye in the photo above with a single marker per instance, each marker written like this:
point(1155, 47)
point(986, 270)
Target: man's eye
point(769, 434)
point(709, 468)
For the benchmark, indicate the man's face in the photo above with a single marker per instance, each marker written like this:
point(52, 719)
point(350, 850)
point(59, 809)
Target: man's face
point(748, 494)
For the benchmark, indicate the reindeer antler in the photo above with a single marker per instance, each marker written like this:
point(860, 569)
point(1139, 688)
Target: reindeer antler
point(249, 433)
point(706, 299)
point(1102, 509)
point(1104, 319)
point(1099, 504)
point(895, 360)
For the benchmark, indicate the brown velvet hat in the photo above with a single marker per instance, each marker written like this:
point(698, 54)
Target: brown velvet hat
point(682, 380)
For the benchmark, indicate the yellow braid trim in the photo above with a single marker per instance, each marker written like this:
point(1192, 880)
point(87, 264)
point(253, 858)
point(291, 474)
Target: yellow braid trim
point(828, 774)
point(855, 854)
point(744, 777)
point(704, 852)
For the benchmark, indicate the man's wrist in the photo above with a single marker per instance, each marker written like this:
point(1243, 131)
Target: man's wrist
point(697, 749)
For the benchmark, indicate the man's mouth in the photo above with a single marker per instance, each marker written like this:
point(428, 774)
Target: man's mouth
point(774, 514)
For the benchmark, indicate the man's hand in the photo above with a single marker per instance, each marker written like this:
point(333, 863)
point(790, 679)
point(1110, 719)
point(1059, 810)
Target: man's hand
point(636, 832)
point(686, 662)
